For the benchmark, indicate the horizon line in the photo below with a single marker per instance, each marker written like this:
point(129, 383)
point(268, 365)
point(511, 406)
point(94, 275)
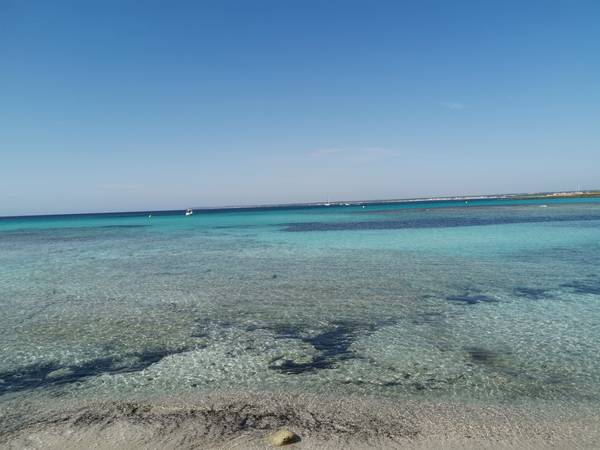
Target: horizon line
point(321, 203)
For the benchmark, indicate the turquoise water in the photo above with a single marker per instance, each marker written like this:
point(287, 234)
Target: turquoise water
point(490, 300)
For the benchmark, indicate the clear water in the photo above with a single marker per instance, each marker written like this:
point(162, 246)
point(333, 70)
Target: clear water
point(493, 300)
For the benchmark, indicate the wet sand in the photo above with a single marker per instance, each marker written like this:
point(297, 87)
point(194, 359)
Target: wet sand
point(235, 420)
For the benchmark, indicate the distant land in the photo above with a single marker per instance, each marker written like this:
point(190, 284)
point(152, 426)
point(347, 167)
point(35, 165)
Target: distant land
point(514, 196)
point(559, 194)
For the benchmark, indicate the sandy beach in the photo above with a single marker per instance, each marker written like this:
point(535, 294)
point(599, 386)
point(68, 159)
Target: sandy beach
point(235, 420)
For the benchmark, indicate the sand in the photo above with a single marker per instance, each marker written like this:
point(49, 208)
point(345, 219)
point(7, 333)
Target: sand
point(237, 420)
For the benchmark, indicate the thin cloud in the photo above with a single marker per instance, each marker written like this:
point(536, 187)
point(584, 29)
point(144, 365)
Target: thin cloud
point(453, 105)
point(361, 154)
point(327, 151)
point(378, 151)
point(116, 187)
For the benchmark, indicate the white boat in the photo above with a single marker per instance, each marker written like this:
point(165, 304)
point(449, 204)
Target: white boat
point(189, 212)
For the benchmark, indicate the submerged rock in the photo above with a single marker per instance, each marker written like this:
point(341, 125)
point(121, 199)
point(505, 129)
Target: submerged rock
point(283, 437)
point(60, 373)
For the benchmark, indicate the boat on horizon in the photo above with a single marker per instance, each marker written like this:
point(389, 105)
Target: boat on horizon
point(189, 212)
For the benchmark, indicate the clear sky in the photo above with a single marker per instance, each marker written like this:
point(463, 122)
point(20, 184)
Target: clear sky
point(135, 105)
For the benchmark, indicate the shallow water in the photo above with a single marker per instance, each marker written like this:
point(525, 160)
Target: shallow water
point(490, 300)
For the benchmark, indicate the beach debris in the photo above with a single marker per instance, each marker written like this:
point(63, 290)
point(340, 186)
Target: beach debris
point(283, 437)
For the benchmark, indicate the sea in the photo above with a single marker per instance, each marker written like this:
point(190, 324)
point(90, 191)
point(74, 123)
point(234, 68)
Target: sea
point(478, 301)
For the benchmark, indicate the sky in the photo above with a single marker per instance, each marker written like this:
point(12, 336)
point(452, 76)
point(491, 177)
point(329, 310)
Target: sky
point(118, 105)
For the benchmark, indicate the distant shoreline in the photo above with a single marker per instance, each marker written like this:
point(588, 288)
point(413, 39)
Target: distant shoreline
point(276, 206)
point(580, 194)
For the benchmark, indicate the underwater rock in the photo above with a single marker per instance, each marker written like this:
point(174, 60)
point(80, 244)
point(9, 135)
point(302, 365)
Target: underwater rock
point(471, 299)
point(531, 293)
point(59, 373)
point(283, 437)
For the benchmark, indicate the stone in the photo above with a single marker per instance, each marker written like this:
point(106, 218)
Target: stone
point(283, 437)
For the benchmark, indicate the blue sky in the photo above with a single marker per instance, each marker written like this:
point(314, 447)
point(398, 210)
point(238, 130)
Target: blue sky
point(134, 105)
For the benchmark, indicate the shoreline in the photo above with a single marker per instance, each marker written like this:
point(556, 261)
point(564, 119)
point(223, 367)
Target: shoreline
point(246, 419)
